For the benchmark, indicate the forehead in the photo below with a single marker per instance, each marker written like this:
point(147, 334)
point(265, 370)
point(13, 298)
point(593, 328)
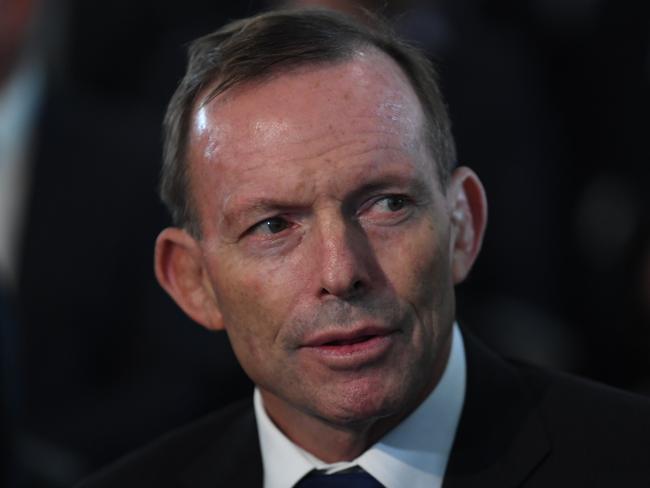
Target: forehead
point(332, 112)
point(369, 89)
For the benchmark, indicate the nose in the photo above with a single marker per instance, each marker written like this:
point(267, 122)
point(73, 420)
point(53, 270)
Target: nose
point(346, 258)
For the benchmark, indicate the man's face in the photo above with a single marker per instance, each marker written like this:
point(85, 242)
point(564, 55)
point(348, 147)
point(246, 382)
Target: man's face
point(326, 238)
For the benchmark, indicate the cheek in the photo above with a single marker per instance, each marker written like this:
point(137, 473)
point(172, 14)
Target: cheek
point(255, 302)
point(416, 264)
point(250, 325)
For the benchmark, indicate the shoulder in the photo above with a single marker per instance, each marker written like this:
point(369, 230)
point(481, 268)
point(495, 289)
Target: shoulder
point(520, 422)
point(576, 408)
point(568, 404)
point(595, 431)
point(164, 462)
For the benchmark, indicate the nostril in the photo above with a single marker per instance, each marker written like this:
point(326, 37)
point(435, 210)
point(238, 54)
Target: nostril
point(356, 287)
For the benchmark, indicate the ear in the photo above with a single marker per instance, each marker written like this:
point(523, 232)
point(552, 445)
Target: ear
point(468, 208)
point(180, 270)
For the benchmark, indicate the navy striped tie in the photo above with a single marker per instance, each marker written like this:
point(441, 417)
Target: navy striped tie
point(318, 479)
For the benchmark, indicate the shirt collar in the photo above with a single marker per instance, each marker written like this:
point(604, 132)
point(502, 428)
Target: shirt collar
point(414, 454)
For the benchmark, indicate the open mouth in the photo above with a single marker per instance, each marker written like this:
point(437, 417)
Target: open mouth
point(363, 346)
point(354, 340)
point(347, 337)
point(350, 349)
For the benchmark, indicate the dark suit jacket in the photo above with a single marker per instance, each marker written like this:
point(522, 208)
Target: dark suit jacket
point(520, 426)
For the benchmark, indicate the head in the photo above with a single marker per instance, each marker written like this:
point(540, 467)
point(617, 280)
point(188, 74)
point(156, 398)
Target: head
point(255, 49)
point(308, 167)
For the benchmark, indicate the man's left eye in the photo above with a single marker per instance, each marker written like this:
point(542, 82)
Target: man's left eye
point(270, 226)
point(391, 203)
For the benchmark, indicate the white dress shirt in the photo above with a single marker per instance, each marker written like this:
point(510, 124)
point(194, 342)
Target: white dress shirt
point(414, 454)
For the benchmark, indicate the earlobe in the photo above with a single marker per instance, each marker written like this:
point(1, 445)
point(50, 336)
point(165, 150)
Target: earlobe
point(468, 210)
point(181, 272)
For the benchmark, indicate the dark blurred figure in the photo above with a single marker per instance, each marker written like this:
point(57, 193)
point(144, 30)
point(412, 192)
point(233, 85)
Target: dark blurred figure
point(19, 94)
point(606, 75)
point(7, 394)
point(18, 98)
point(101, 355)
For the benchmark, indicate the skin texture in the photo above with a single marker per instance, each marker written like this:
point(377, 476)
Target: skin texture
point(322, 220)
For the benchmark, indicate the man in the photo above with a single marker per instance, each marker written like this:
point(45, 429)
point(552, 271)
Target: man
point(309, 168)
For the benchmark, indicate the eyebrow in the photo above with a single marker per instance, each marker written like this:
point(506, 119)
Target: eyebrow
point(261, 206)
point(269, 205)
point(416, 185)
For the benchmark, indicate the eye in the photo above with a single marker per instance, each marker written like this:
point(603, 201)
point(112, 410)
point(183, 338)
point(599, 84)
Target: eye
point(391, 203)
point(387, 210)
point(274, 225)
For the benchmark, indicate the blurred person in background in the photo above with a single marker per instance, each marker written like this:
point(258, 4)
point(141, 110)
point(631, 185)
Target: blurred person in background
point(21, 81)
point(92, 338)
point(21, 87)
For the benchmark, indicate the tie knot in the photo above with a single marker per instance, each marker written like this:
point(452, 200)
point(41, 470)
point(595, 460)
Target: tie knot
point(346, 479)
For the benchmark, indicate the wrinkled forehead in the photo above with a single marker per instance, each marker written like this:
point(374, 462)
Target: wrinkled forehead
point(367, 93)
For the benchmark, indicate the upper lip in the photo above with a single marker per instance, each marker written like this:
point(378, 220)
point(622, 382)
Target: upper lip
point(345, 335)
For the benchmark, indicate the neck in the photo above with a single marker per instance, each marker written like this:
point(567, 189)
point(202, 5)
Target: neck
point(331, 442)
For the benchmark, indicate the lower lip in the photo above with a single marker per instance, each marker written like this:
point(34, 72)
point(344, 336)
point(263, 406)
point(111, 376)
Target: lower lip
point(354, 355)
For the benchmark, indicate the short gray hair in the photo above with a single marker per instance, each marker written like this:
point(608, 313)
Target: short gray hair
point(254, 48)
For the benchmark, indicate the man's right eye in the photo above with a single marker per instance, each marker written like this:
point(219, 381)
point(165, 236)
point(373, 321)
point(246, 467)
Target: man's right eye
point(270, 226)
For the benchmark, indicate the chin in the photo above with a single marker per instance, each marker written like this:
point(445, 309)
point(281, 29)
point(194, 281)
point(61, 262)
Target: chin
point(363, 403)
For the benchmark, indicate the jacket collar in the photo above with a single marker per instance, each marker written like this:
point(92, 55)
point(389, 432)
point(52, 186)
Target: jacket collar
point(501, 437)
point(234, 458)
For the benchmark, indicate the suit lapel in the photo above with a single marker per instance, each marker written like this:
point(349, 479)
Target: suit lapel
point(500, 438)
point(234, 458)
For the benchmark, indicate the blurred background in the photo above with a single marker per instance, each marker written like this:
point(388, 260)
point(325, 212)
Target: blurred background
point(550, 103)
